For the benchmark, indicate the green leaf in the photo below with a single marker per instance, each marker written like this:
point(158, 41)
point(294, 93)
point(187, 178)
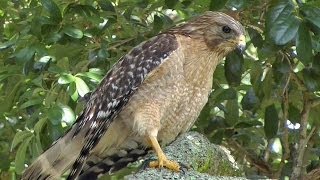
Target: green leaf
point(53, 9)
point(171, 3)
point(238, 4)
point(304, 45)
point(248, 124)
point(73, 32)
point(220, 95)
point(311, 79)
point(72, 90)
point(36, 148)
point(316, 43)
point(256, 73)
point(106, 5)
point(312, 14)
point(256, 37)
point(217, 136)
point(93, 76)
point(186, 3)
point(31, 102)
point(157, 24)
point(233, 68)
point(63, 63)
point(66, 78)
point(103, 54)
point(68, 115)
point(5, 161)
point(215, 123)
point(97, 71)
point(232, 114)
point(268, 85)
point(294, 114)
point(25, 54)
point(82, 87)
point(250, 101)
point(281, 22)
point(55, 115)
point(21, 154)
point(6, 45)
point(217, 4)
point(39, 125)
point(271, 121)
point(20, 137)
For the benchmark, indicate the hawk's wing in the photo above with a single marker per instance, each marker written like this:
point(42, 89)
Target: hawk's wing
point(116, 89)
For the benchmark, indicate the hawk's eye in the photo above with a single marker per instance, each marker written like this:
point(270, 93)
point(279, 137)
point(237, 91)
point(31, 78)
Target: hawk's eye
point(226, 29)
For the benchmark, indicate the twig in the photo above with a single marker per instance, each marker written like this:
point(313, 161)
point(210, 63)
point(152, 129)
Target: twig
point(268, 149)
point(285, 89)
point(315, 102)
point(298, 162)
point(285, 137)
point(315, 173)
point(298, 81)
point(120, 43)
point(254, 160)
point(293, 75)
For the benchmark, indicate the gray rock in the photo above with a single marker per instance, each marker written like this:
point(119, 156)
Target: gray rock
point(206, 161)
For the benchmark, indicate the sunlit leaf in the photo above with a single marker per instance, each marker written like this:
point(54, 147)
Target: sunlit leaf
point(93, 76)
point(68, 115)
point(82, 87)
point(66, 79)
point(72, 90)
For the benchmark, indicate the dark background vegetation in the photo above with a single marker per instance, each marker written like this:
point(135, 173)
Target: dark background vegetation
point(265, 106)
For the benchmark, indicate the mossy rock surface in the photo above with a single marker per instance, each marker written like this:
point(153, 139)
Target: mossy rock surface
point(205, 161)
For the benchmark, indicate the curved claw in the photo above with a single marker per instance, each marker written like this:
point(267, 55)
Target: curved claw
point(164, 162)
point(184, 168)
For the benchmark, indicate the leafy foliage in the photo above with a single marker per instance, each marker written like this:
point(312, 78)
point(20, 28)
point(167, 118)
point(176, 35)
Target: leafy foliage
point(264, 107)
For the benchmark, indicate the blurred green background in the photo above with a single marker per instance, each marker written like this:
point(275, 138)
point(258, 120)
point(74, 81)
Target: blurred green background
point(265, 105)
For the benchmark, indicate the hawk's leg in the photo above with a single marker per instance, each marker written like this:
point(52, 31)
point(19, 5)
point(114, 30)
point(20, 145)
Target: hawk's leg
point(162, 161)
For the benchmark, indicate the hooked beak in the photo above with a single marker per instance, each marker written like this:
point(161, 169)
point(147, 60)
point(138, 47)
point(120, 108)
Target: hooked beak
point(241, 43)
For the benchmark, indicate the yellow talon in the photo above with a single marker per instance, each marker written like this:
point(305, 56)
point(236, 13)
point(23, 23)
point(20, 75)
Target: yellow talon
point(162, 159)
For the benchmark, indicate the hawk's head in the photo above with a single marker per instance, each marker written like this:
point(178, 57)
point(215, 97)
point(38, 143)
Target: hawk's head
point(220, 31)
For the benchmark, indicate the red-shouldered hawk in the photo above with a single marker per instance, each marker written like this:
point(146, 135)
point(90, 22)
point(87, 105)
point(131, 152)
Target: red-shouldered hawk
point(149, 97)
